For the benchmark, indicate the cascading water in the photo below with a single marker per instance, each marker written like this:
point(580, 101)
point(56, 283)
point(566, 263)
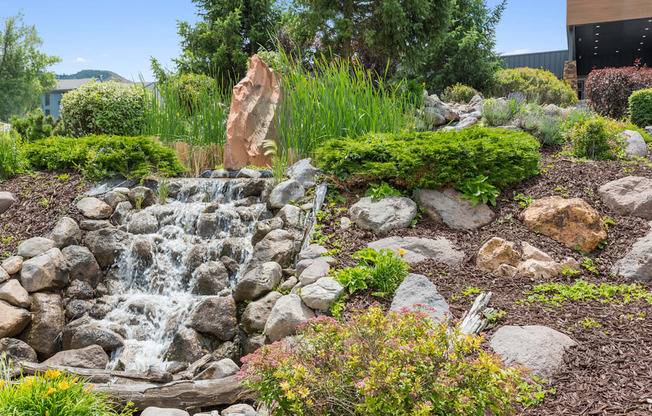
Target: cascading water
point(153, 285)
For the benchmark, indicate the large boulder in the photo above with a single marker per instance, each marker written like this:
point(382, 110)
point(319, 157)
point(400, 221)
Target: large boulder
point(186, 344)
point(94, 209)
point(219, 369)
point(6, 200)
point(92, 356)
point(637, 263)
point(106, 244)
point(66, 233)
point(448, 207)
point(35, 247)
point(495, 253)
point(82, 265)
point(288, 312)
point(258, 281)
point(256, 313)
point(44, 332)
point(277, 246)
point(539, 348)
point(631, 195)
point(95, 334)
point(13, 293)
point(17, 350)
point(304, 173)
point(317, 269)
point(215, 316)
point(250, 123)
point(285, 193)
point(635, 146)
point(417, 289)
point(48, 271)
point(12, 320)
point(210, 278)
point(417, 249)
point(321, 294)
point(570, 221)
point(384, 215)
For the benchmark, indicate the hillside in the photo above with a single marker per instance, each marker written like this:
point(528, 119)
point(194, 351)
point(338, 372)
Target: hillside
point(94, 73)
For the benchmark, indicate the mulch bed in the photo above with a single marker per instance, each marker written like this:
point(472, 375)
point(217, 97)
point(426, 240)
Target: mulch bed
point(610, 372)
point(41, 199)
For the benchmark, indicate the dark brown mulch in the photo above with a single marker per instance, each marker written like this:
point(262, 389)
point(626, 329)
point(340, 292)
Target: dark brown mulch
point(610, 372)
point(41, 199)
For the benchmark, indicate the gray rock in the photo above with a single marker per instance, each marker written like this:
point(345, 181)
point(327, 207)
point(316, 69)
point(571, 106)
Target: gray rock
point(304, 173)
point(106, 244)
point(144, 194)
point(17, 350)
point(417, 288)
point(384, 215)
point(185, 345)
point(477, 100)
point(217, 370)
point(277, 246)
point(635, 146)
point(637, 263)
point(256, 313)
point(12, 320)
point(539, 348)
point(158, 411)
point(243, 409)
point(321, 294)
point(4, 276)
point(258, 281)
point(252, 343)
point(79, 289)
point(35, 247)
point(288, 312)
point(648, 129)
point(248, 173)
point(419, 249)
point(142, 223)
point(12, 265)
point(317, 269)
point(291, 215)
point(285, 193)
point(6, 200)
point(66, 233)
point(220, 173)
point(467, 122)
point(447, 207)
point(288, 284)
point(94, 209)
point(631, 195)
point(210, 278)
point(82, 265)
point(121, 213)
point(113, 198)
point(95, 334)
point(44, 332)
point(345, 223)
point(92, 357)
point(76, 308)
point(432, 101)
point(45, 272)
point(313, 251)
point(215, 316)
point(13, 293)
point(433, 117)
point(265, 227)
point(93, 225)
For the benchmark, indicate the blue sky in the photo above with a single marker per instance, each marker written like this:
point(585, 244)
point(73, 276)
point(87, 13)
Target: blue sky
point(121, 35)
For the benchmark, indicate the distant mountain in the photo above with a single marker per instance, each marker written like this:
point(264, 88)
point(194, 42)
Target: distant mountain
point(94, 73)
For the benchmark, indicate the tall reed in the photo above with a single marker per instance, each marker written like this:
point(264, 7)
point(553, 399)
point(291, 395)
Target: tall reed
point(12, 155)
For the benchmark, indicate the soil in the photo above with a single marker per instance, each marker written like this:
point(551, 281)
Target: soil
point(42, 198)
point(610, 371)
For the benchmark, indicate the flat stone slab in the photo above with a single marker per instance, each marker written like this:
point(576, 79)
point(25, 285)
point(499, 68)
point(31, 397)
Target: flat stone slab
point(417, 289)
point(631, 195)
point(419, 249)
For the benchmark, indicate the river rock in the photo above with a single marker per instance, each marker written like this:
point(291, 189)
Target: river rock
point(417, 288)
point(13, 293)
point(315, 271)
point(637, 263)
point(4, 276)
point(35, 247)
point(66, 233)
point(570, 221)
point(304, 173)
point(12, 265)
point(95, 334)
point(17, 350)
point(239, 409)
point(6, 201)
point(93, 225)
point(79, 289)
point(44, 332)
point(384, 215)
point(45, 272)
point(321, 294)
point(496, 252)
point(143, 194)
point(106, 245)
point(113, 198)
point(288, 312)
point(539, 348)
point(215, 316)
point(92, 357)
point(158, 411)
point(142, 223)
point(277, 246)
point(186, 344)
point(631, 195)
point(210, 278)
point(82, 265)
point(285, 193)
point(432, 117)
point(290, 214)
point(121, 213)
point(313, 251)
point(448, 207)
point(264, 227)
point(12, 320)
point(251, 119)
point(256, 313)
point(635, 146)
point(258, 281)
point(217, 370)
point(419, 249)
point(94, 209)
point(76, 308)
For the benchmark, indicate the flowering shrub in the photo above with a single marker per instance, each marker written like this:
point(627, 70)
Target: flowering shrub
point(597, 139)
point(640, 107)
point(54, 393)
point(381, 270)
point(608, 90)
point(401, 363)
point(539, 86)
point(459, 93)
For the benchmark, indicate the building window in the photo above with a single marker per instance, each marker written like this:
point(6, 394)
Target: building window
point(580, 90)
point(47, 100)
point(47, 111)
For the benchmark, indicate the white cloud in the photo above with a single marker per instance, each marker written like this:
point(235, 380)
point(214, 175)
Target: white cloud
point(81, 60)
point(518, 52)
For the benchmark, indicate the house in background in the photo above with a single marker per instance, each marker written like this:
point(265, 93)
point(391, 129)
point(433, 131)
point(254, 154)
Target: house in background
point(601, 34)
point(50, 101)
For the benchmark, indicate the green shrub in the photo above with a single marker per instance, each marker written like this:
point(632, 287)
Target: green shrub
point(539, 86)
point(499, 112)
point(376, 363)
point(432, 160)
point(547, 126)
point(597, 139)
point(380, 270)
point(103, 156)
point(190, 89)
point(459, 93)
point(36, 126)
point(103, 108)
point(12, 155)
point(640, 108)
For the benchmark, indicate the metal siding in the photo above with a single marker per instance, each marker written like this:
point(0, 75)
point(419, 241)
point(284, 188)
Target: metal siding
point(550, 61)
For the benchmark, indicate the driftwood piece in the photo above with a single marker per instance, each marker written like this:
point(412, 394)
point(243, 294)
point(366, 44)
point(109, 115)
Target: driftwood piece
point(475, 321)
point(95, 376)
point(180, 394)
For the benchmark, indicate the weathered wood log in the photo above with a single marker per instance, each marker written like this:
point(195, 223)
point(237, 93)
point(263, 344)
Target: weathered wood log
point(475, 321)
point(180, 394)
point(94, 376)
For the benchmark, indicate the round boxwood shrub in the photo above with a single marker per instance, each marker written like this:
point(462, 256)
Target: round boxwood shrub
point(640, 107)
point(459, 93)
point(538, 85)
point(103, 108)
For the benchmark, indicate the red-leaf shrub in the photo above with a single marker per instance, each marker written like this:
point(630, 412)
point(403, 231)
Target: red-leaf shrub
point(608, 89)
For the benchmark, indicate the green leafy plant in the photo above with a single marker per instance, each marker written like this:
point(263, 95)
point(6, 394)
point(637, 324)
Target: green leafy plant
point(582, 291)
point(523, 200)
point(478, 190)
point(13, 159)
point(494, 315)
point(640, 107)
point(537, 85)
point(607, 222)
point(381, 270)
point(597, 139)
point(384, 190)
point(459, 93)
point(352, 278)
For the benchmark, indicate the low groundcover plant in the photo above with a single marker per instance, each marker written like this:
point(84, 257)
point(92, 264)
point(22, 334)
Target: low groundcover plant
point(377, 363)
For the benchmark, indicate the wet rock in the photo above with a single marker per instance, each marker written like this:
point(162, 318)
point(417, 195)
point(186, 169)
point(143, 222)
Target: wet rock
point(419, 249)
point(258, 281)
point(637, 263)
point(95, 334)
point(92, 225)
point(265, 227)
point(94, 209)
point(496, 252)
point(6, 200)
point(277, 246)
point(231, 265)
point(143, 194)
point(291, 215)
point(635, 145)
point(384, 215)
point(220, 369)
point(113, 198)
point(106, 245)
point(14, 294)
point(539, 348)
point(288, 312)
point(631, 195)
point(196, 257)
point(253, 187)
point(321, 294)
point(417, 288)
point(17, 350)
point(158, 411)
point(82, 265)
point(315, 271)
point(313, 251)
point(79, 289)
point(77, 308)
point(215, 316)
point(35, 247)
point(121, 213)
point(92, 357)
point(304, 173)
point(66, 233)
point(210, 278)
point(448, 207)
point(44, 332)
point(12, 265)
point(185, 345)
point(45, 272)
point(570, 221)
point(285, 193)
point(208, 225)
point(143, 223)
point(256, 313)
point(12, 320)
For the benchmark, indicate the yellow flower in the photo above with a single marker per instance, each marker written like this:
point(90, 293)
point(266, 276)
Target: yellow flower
point(64, 385)
point(285, 385)
point(2, 383)
point(47, 413)
point(75, 380)
point(89, 388)
point(400, 252)
point(52, 374)
point(50, 391)
point(28, 380)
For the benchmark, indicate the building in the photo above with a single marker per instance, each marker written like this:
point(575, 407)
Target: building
point(600, 33)
point(50, 101)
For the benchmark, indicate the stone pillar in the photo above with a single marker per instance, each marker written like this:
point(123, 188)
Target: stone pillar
point(570, 74)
